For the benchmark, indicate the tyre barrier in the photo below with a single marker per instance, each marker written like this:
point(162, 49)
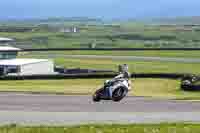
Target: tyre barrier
point(91, 75)
point(190, 87)
point(58, 76)
point(158, 75)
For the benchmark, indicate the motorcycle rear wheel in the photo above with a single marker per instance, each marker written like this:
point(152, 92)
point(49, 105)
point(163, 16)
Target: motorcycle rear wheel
point(97, 95)
point(96, 98)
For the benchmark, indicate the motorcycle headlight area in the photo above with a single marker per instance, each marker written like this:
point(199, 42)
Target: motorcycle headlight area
point(106, 82)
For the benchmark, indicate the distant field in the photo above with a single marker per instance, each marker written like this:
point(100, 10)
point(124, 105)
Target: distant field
point(125, 35)
point(115, 128)
point(163, 88)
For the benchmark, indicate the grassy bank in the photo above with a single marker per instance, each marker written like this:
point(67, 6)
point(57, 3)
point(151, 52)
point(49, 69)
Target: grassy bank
point(162, 88)
point(134, 128)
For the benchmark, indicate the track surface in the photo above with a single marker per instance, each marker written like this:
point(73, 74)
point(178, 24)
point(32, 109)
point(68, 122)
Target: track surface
point(27, 109)
point(53, 103)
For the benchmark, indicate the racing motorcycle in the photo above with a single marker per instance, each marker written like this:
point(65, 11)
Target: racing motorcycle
point(188, 83)
point(115, 89)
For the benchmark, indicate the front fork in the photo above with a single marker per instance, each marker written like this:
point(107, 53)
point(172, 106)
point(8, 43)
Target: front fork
point(109, 92)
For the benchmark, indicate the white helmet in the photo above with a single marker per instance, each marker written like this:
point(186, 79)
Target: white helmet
point(123, 68)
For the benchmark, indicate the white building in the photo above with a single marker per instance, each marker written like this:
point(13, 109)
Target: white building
point(10, 65)
point(69, 30)
point(26, 67)
point(5, 41)
point(7, 52)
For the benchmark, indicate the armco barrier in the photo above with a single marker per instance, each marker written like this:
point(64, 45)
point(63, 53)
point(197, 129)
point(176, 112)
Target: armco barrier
point(58, 76)
point(190, 87)
point(158, 75)
point(91, 76)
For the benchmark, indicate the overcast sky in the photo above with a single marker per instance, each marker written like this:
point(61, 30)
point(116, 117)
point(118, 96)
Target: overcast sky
point(108, 9)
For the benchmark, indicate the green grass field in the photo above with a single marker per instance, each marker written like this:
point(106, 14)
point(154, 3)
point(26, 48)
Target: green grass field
point(167, 53)
point(160, 88)
point(111, 64)
point(134, 66)
point(132, 128)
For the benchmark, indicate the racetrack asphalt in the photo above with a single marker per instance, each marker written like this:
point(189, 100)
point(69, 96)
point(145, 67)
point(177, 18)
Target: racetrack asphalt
point(61, 103)
point(59, 109)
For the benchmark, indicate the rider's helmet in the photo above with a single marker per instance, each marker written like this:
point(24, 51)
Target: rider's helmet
point(123, 69)
point(194, 78)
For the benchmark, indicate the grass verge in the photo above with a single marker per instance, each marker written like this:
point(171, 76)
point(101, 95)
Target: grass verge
point(133, 128)
point(151, 53)
point(159, 88)
point(134, 66)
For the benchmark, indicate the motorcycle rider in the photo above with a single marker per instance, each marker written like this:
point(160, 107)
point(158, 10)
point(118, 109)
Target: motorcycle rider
point(123, 73)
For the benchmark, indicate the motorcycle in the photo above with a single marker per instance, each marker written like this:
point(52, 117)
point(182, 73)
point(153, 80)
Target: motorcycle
point(115, 89)
point(188, 83)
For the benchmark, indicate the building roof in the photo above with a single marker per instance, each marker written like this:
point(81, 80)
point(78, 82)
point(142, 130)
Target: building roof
point(3, 39)
point(17, 62)
point(8, 48)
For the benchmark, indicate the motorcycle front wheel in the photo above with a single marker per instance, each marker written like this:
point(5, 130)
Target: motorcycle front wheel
point(119, 93)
